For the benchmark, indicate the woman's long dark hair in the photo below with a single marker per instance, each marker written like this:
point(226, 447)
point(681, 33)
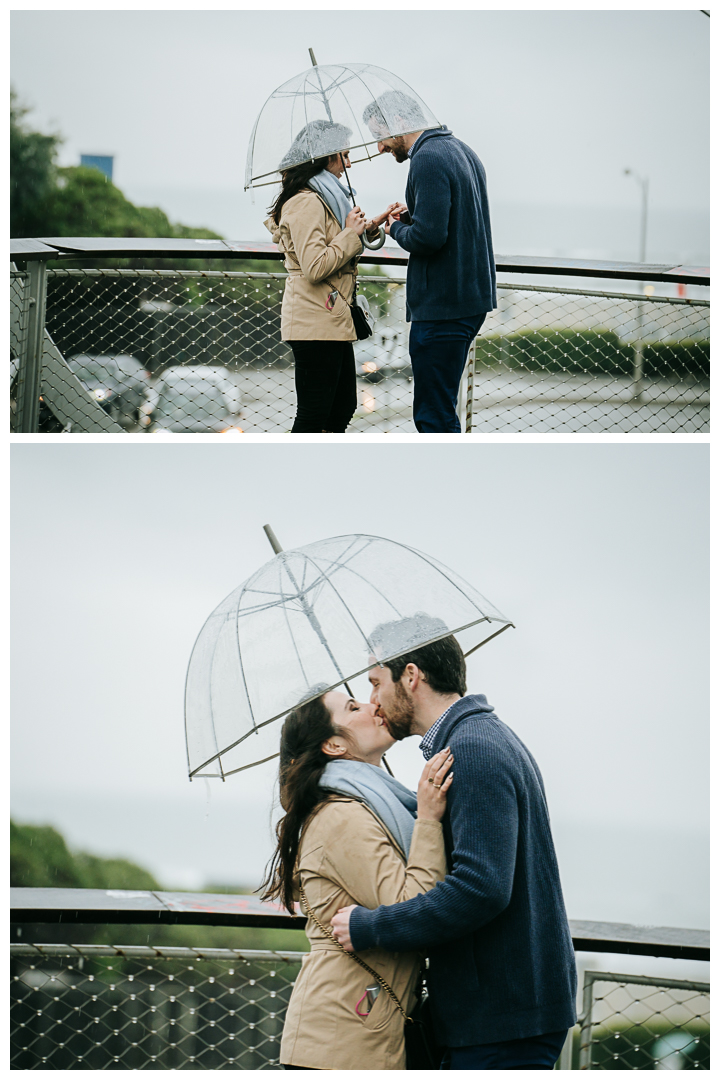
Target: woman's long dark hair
point(302, 763)
point(293, 181)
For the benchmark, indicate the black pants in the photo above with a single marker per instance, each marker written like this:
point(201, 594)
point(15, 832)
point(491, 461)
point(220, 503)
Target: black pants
point(325, 385)
point(438, 352)
point(539, 1052)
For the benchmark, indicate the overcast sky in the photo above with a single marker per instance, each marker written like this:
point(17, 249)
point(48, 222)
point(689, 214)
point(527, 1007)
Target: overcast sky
point(556, 103)
point(598, 553)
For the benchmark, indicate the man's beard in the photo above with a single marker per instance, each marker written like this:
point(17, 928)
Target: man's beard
point(399, 721)
point(400, 154)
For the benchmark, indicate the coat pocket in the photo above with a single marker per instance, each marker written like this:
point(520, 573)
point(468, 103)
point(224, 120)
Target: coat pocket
point(382, 1012)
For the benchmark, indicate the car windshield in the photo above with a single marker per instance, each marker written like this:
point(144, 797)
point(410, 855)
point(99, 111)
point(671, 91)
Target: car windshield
point(201, 401)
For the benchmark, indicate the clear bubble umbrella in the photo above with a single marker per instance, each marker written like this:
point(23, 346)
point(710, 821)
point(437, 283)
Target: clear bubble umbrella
point(328, 109)
point(308, 621)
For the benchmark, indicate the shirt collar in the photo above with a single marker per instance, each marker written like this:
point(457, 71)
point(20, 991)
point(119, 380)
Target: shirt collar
point(429, 736)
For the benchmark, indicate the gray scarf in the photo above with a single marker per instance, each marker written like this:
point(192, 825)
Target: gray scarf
point(335, 194)
point(390, 800)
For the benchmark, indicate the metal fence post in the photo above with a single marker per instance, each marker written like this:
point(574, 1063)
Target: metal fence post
point(470, 387)
point(638, 354)
point(566, 1054)
point(586, 1022)
point(31, 362)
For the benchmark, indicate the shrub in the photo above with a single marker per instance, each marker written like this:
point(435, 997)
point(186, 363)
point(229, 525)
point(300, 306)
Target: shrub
point(594, 352)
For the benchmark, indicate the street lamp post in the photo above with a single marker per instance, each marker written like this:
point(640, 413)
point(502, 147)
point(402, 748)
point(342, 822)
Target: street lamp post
point(644, 183)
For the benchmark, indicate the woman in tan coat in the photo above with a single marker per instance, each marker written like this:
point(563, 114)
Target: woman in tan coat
point(350, 836)
point(318, 231)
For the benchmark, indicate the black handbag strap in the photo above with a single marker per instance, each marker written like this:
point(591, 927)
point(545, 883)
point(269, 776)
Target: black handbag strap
point(353, 956)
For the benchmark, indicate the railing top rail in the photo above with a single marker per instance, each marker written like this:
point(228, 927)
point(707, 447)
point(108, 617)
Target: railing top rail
point(592, 976)
point(44, 906)
point(80, 247)
point(263, 275)
point(153, 952)
point(129, 906)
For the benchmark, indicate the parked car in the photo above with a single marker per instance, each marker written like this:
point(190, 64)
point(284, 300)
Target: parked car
point(382, 354)
point(118, 383)
point(198, 398)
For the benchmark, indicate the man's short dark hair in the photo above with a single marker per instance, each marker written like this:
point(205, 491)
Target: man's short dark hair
point(441, 662)
point(392, 103)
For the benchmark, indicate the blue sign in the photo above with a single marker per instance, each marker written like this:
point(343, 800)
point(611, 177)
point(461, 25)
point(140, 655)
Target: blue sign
point(98, 161)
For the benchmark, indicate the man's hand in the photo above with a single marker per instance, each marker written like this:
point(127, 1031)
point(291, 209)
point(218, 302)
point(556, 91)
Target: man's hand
point(393, 214)
point(341, 927)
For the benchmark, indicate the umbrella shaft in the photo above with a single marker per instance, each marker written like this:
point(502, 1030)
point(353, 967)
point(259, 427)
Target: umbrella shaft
point(347, 180)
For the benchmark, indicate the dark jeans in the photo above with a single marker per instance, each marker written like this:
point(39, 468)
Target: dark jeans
point(540, 1052)
point(438, 351)
point(325, 385)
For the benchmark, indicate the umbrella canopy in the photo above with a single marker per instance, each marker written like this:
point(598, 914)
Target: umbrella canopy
point(310, 620)
point(327, 109)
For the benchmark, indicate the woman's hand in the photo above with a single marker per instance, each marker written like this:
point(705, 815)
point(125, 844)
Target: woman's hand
point(356, 221)
point(433, 787)
point(393, 211)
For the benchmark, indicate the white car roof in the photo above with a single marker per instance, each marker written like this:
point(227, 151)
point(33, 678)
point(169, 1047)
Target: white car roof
point(195, 371)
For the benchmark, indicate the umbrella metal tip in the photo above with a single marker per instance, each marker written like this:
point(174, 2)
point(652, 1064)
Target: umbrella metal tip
point(274, 542)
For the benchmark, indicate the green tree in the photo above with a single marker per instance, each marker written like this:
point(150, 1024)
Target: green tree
point(40, 858)
point(32, 172)
point(48, 200)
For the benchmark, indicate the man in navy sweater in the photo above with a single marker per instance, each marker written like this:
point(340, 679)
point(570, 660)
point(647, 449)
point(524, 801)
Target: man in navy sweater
point(451, 269)
point(502, 967)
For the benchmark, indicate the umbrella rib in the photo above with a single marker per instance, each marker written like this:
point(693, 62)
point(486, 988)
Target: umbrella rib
point(312, 619)
point(252, 766)
point(300, 590)
point(445, 573)
point(368, 541)
point(273, 172)
point(212, 721)
point(350, 108)
point(350, 570)
point(304, 101)
point(294, 643)
point(239, 653)
point(323, 94)
point(352, 617)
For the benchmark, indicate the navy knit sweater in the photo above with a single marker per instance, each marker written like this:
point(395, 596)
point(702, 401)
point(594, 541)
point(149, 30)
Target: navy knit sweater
point(502, 964)
point(451, 270)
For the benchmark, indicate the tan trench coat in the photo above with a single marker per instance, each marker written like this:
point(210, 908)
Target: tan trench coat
point(319, 257)
point(347, 857)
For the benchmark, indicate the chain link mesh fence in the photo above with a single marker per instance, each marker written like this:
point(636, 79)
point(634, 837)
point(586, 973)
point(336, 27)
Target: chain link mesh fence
point(552, 359)
point(19, 307)
point(171, 350)
point(103, 1007)
point(98, 1007)
point(634, 1022)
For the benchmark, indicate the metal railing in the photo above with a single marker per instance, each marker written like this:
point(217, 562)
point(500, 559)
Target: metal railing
point(633, 1022)
point(148, 350)
point(131, 1007)
point(104, 1007)
point(96, 1007)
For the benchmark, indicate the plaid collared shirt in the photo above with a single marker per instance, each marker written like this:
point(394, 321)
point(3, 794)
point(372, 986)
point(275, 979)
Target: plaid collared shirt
point(429, 736)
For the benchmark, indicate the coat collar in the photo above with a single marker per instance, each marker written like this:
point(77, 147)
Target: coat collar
point(471, 704)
